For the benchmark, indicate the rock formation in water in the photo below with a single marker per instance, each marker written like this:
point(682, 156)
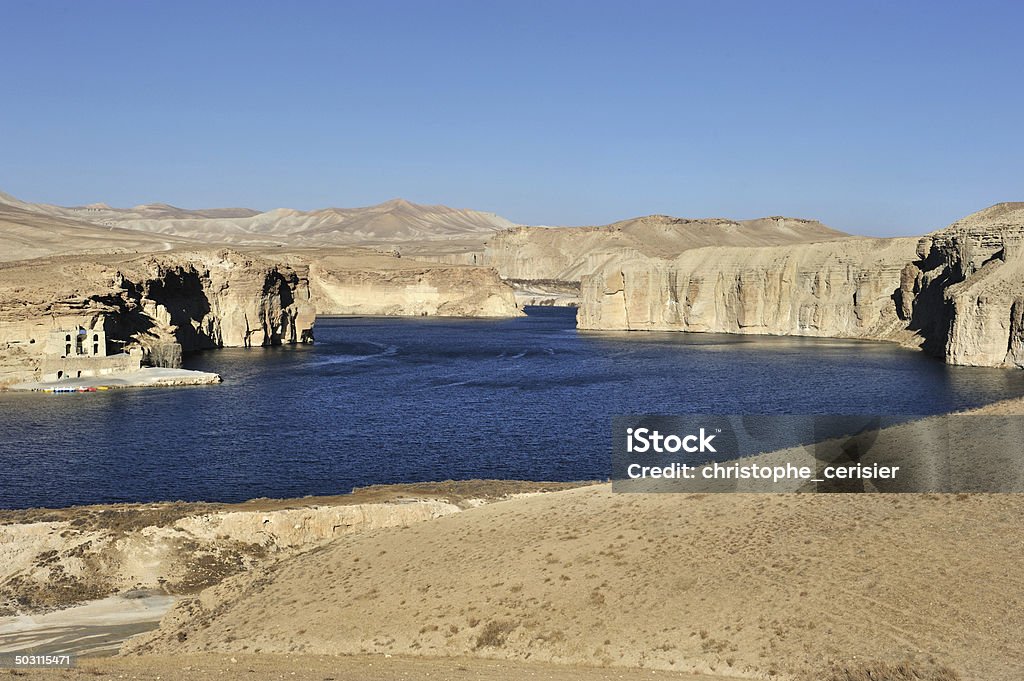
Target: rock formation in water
point(958, 293)
point(546, 264)
point(964, 294)
point(160, 304)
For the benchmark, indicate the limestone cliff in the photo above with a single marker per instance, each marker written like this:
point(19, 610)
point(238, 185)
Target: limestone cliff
point(958, 292)
point(182, 301)
point(226, 299)
point(387, 285)
point(964, 294)
point(840, 288)
point(162, 304)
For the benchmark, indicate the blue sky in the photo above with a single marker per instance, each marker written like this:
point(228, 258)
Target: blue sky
point(875, 117)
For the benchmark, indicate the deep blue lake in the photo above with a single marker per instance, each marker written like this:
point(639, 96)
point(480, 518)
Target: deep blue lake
point(385, 400)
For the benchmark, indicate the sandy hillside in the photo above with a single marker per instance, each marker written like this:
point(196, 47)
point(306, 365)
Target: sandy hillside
point(568, 253)
point(750, 585)
point(52, 559)
point(26, 234)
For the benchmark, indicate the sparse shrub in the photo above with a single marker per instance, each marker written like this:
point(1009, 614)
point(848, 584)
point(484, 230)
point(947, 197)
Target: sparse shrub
point(494, 634)
point(887, 671)
point(167, 355)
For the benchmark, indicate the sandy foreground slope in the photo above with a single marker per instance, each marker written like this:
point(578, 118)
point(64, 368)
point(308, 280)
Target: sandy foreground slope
point(746, 585)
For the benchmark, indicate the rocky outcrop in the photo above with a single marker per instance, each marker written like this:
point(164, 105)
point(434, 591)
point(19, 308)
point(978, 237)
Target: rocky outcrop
point(386, 285)
point(841, 288)
point(176, 548)
point(958, 292)
point(167, 304)
point(161, 305)
point(224, 299)
point(964, 294)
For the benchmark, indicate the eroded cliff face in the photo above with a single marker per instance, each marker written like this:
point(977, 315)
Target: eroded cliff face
point(958, 293)
point(387, 285)
point(227, 300)
point(838, 288)
point(162, 305)
point(178, 302)
point(964, 294)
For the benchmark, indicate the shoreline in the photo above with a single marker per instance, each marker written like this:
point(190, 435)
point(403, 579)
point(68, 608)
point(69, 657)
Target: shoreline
point(146, 377)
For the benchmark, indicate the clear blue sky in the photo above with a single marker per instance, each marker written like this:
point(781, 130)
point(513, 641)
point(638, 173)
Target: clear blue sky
point(875, 117)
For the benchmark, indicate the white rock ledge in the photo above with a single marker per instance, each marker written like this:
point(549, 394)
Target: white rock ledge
point(143, 378)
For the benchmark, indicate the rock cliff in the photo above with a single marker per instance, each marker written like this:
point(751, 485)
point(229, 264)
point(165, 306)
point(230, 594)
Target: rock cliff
point(958, 292)
point(226, 299)
point(162, 305)
point(181, 301)
point(376, 284)
point(840, 288)
point(964, 294)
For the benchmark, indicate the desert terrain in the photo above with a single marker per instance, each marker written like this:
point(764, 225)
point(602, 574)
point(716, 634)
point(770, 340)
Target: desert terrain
point(579, 583)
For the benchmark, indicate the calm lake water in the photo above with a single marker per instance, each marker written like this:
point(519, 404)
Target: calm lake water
point(383, 400)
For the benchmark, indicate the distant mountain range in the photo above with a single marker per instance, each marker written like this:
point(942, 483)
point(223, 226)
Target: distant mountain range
point(393, 221)
point(29, 230)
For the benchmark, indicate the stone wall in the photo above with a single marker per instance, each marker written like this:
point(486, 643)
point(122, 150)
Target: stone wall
point(54, 367)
